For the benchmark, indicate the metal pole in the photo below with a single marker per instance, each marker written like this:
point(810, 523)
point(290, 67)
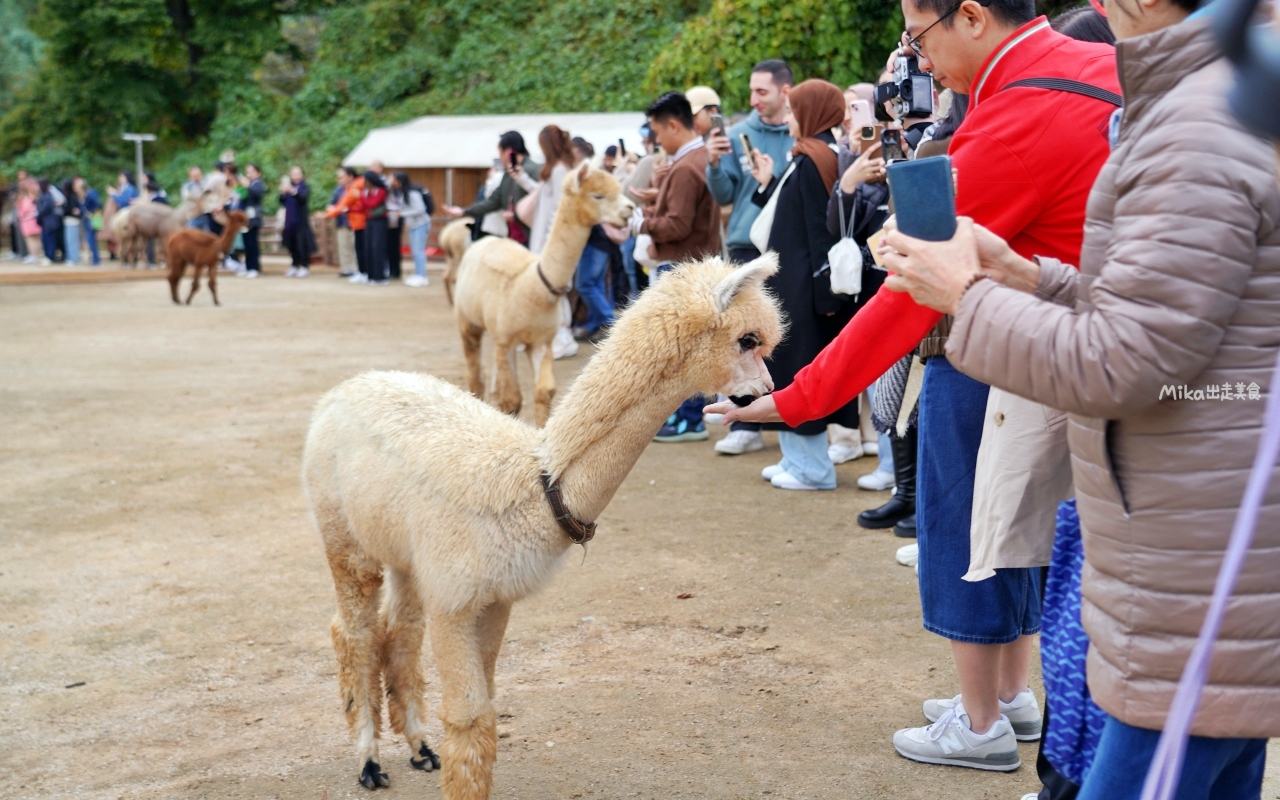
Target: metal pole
point(140, 176)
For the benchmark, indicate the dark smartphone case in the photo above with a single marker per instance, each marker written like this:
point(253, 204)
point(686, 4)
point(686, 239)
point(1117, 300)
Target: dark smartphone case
point(924, 197)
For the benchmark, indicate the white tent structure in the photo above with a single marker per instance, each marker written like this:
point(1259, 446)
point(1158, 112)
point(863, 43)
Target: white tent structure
point(472, 141)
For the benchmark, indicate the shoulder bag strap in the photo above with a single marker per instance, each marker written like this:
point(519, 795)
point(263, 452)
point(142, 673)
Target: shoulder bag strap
point(1067, 85)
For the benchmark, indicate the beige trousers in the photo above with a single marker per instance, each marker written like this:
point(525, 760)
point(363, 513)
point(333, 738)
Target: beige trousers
point(347, 250)
point(1023, 473)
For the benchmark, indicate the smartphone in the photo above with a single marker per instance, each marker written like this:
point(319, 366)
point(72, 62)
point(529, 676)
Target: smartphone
point(622, 148)
point(891, 146)
point(513, 159)
point(746, 148)
point(717, 125)
point(924, 197)
point(863, 120)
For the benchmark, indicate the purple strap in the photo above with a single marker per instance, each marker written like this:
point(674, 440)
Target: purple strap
point(1166, 764)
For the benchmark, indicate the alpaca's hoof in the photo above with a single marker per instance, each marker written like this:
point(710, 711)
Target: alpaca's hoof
point(429, 760)
point(372, 776)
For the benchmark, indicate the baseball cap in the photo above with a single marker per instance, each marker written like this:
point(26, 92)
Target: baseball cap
point(700, 97)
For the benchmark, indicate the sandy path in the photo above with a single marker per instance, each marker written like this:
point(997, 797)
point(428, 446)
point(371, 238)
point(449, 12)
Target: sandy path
point(154, 544)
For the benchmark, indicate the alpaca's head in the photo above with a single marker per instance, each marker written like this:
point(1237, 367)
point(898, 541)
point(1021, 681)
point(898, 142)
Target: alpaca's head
point(592, 196)
point(712, 324)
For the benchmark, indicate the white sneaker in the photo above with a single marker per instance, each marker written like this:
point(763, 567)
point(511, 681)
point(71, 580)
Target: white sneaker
point(379, 283)
point(231, 264)
point(908, 555)
point(1023, 713)
point(302, 272)
point(840, 453)
point(564, 345)
point(951, 741)
point(876, 481)
point(739, 442)
point(292, 272)
point(359, 277)
point(250, 273)
point(768, 472)
point(871, 448)
point(785, 480)
point(1031, 796)
point(416, 281)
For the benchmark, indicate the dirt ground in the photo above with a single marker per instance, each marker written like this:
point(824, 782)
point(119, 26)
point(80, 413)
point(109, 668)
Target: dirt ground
point(155, 548)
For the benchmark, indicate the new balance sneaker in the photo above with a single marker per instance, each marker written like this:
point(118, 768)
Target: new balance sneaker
point(785, 480)
point(840, 453)
point(739, 442)
point(951, 741)
point(770, 471)
point(1023, 713)
point(679, 430)
point(876, 481)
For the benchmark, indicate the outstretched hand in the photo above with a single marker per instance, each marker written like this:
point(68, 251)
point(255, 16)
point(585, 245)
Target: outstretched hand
point(762, 409)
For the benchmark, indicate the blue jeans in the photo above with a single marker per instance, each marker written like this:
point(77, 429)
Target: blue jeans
point(1000, 609)
point(92, 236)
point(805, 459)
point(886, 450)
point(200, 222)
point(418, 246)
point(49, 242)
point(1214, 769)
point(71, 243)
point(629, 266)
point(589, 281)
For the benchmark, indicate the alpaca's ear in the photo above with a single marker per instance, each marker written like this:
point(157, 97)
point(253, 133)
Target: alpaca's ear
point(751, 274)
point(579, 175)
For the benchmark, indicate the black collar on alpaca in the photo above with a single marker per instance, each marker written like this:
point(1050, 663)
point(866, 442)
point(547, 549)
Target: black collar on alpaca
point(561, 292)
point(579, 532)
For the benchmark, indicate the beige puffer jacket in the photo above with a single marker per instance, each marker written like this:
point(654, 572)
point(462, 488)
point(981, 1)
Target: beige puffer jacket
point(1179, 286)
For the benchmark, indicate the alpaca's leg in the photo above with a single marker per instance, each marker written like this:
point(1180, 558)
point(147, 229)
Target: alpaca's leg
point(213, 284)
point(357, 640)
point(491, 628)
point(175, 276)
point(195, 283)
point(470, 743)
point(543, 361)
point(506, 389)
point(406, 624)
point(471, 339)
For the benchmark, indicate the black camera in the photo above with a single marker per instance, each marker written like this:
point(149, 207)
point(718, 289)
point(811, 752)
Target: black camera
point(911, 91)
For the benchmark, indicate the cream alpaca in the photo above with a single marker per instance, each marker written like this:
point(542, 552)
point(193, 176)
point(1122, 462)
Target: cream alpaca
point(454, 239)
point(419, 488)
point(506, 291)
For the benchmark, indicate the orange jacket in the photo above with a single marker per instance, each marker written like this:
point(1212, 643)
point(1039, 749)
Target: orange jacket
point(350, 203)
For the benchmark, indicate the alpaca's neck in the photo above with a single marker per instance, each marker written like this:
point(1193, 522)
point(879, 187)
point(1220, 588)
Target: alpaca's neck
point(228, 236)
point(564, 247)
point(604, 423)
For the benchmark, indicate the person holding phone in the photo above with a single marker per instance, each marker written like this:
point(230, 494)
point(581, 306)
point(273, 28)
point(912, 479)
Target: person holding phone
point(515, 158)
point(1014, 180)
point(730, 165)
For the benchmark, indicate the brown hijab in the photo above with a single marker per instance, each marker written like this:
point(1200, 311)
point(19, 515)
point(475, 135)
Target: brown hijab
point(817, 106)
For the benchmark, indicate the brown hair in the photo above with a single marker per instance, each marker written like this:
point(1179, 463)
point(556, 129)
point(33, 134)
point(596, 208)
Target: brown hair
point(557, 147)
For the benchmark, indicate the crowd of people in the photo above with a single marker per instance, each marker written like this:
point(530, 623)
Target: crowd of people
point(1018, 384)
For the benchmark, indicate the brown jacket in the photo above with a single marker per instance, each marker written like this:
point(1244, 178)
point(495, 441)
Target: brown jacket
point(684, 219)
point(1179, 285)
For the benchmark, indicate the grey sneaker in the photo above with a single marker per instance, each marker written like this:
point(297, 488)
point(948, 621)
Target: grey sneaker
point(951, 741)
point(1023, 713)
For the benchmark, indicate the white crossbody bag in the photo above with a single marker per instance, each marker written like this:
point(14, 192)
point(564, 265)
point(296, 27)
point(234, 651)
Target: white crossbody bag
point(763, 225)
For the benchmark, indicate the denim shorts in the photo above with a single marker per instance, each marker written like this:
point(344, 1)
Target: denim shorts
point(997, 610)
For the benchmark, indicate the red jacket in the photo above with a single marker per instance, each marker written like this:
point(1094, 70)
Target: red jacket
point(1026, 159)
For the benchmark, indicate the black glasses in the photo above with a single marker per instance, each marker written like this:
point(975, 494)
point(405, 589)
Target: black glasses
point(916, 42)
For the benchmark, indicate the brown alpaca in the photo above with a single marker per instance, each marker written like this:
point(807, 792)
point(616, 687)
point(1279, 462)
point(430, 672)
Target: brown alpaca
point(200, 249)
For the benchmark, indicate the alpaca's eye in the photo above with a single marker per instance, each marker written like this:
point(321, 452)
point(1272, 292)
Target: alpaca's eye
point(598, 196)
point(749, 342)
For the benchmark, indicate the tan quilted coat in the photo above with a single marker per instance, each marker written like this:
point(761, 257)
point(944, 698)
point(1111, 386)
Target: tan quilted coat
point(1178, 292)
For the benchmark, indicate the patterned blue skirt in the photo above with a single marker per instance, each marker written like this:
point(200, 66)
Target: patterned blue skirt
point(1075, 721)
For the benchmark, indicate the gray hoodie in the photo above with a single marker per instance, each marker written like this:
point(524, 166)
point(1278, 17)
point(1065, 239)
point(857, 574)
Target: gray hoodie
point(730, 181)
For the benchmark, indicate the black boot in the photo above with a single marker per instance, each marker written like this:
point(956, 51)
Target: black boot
point(906, 527)
point(903, 502)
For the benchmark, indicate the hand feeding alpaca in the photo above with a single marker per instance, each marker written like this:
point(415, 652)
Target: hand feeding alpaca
point(510, 293)
point(200, 249)
point(423, 491)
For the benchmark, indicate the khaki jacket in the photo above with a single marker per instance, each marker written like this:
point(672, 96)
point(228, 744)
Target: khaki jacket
point(1178, 293)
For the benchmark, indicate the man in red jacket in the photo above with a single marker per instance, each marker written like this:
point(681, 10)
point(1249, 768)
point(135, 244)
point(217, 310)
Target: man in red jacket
point(1026, 159)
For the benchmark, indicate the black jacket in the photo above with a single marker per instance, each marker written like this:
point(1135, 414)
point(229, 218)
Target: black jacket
point(803, 285)
point(252, 205)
